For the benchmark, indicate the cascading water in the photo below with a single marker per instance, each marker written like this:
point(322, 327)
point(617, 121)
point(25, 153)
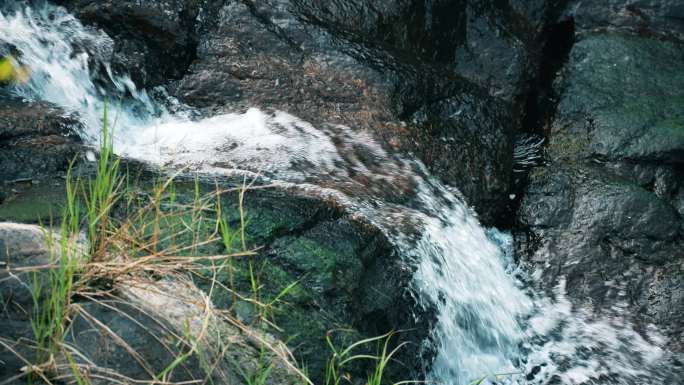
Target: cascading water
point(487, 321)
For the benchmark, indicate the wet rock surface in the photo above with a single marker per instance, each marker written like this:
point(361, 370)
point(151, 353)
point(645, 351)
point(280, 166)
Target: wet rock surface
point(153, 40)
point(343, 271)
point(36, 139)
point(411, 73)
point(660, 18)
point(37, 142)
point(345, 275)
point(605, 210)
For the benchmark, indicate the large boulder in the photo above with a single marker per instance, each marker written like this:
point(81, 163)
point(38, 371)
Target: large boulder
point(341, 271)
point(494, 45)
point(622, 94)
point(605, 211)
point(313, 61)
point(613, 240)
point(140, 330)
point(149, 327)
point(338, 272)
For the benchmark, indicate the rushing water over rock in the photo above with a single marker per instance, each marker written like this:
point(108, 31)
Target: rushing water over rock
point(488, 322)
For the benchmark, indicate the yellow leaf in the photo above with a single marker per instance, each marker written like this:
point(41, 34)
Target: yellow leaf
point(6, 69)
point(12, 72)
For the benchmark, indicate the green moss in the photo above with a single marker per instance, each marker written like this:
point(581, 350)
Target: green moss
point(631, 88)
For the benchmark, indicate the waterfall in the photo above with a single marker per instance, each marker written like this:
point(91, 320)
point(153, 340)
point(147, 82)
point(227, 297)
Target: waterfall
point(488, 320)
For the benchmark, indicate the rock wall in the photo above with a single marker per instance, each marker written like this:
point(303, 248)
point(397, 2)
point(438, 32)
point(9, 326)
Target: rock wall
point(605, 211)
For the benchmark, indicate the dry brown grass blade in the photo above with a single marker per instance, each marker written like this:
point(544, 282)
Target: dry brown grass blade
point(30, 368)
point(162, 343)
point(281, 351)
point(95, 371)
point(117, 339)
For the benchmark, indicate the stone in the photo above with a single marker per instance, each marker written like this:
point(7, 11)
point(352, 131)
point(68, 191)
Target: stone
point(604, 212)
point(138, 331)
point(324, 64)
point(659, 18)
point(153, 40)
point(613, 241)
point(23, 249)
point(342, 273)
point(622, 98)
point(36, 140)
point(148, 325)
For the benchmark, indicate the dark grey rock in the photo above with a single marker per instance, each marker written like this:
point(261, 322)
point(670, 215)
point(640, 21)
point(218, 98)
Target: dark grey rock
point(346, 272)
point(368, 65)
point(605, 211)
point(612, 240)
point(153, 40)
point(36, 140)
point(654, 17)
point(328, 63)
point(622, 98)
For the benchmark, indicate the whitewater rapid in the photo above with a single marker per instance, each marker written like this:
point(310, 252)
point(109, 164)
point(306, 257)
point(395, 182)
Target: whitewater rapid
point(488, 320)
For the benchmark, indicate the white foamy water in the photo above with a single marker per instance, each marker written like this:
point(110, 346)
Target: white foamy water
point(488, 322)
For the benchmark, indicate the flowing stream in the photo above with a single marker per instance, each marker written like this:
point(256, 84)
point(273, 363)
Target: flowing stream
point(488, 320)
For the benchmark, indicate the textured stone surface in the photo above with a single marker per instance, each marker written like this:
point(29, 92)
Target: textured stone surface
point(622, 98)
point(605, 212)
point(647, 17)
point(346, 275)
point(36, 139)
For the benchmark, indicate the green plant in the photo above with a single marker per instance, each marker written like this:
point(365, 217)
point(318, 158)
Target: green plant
point(143, 240)
point(102, 192)
point(340, 358)
point(261, 371)
point(494, 377)
point(51, 305)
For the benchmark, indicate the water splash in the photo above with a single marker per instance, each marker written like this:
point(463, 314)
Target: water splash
point(488, 321)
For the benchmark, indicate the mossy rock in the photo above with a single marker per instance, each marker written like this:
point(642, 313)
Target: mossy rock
point(624, 94)
point(328, 271)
